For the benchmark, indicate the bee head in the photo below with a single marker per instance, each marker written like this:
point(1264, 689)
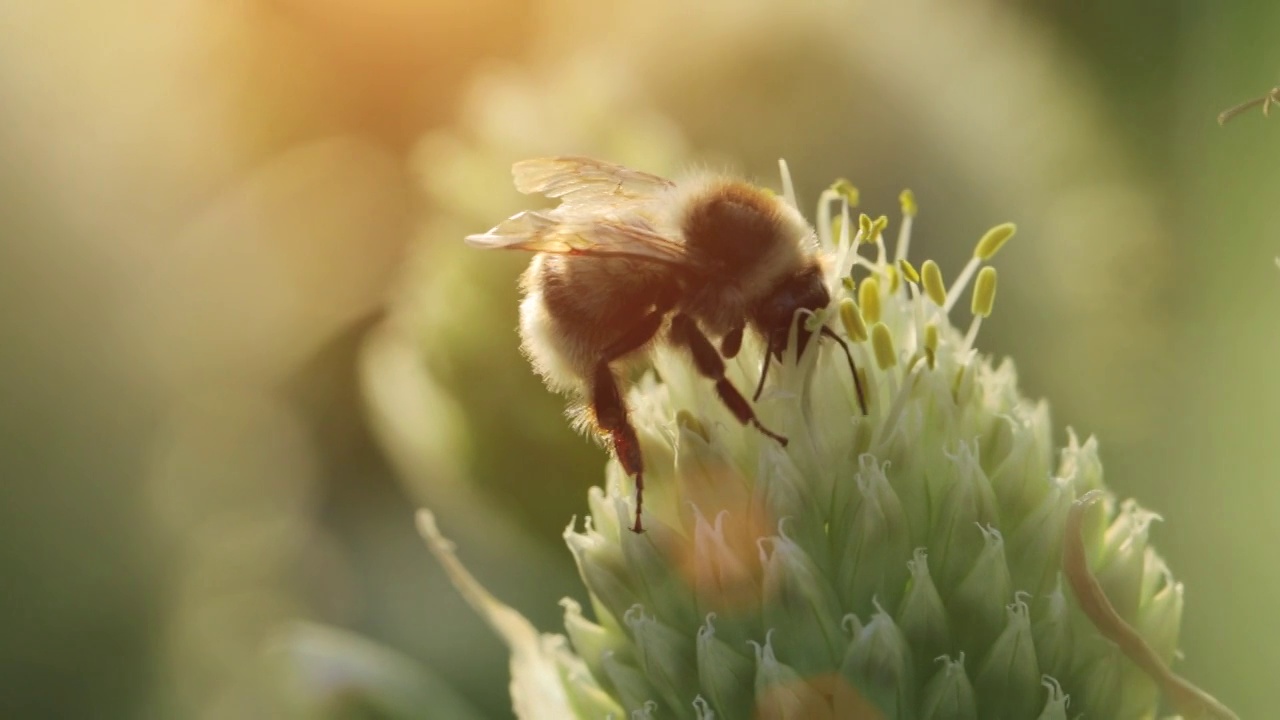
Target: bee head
point(776, 311)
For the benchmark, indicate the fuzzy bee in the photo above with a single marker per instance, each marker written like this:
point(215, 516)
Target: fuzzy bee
point(630, 259)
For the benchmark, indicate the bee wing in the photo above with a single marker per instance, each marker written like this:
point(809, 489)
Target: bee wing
point(600, 237)
point(583, 181)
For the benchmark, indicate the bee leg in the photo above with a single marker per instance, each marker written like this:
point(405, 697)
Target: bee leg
point(685, 332)
point(731, 343)
point(611, 416)
point(611, 412)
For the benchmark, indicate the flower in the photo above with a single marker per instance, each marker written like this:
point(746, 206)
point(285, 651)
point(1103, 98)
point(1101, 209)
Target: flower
point(927, 559)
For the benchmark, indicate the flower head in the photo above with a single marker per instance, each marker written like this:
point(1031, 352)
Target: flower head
point(906, 562)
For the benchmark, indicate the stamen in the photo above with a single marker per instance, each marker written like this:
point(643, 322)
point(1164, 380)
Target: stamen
point(899, 402)
point(839, 231)
point(984, 293)
point(788, 189)
point(869, 300)
point(895, 279)
point(847, 249)
point(908, 202)
point(972, 335)
point(991, 242)
point(962, 281)
point(882, 344)
point(909, 271)
point(879, 224)
point(931, 276)
point(957, 382)
point(995, 239)
point(847, 190)
point(877, 234)
point(931, 344)
point(852, 320)
point(824, 223)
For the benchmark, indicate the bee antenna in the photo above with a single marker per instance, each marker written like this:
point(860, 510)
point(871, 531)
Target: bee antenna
point(857, 381)
point(764, 372)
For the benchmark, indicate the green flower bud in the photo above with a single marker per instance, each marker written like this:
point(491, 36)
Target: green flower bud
point(781, 692)
point(922, 615)
point(632, 688)
point(1055, 706)
point(592, 641)
point(800, 603)
point(949, 694)
point(879, 665)
point(665, 655)
point(726, 675)
point(1008, 677)
point(870, 539)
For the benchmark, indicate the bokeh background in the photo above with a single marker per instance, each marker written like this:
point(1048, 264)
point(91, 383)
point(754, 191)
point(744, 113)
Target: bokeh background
point(240, 339)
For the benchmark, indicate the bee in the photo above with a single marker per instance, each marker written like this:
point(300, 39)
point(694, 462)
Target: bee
point(628, 260)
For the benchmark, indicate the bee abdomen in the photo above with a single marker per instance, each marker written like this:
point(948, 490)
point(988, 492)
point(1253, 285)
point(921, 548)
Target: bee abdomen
point(575, 308)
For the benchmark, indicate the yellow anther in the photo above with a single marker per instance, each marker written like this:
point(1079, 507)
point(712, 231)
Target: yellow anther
point(852, 320)
point(931, 276)
point(931, 343)
point(878, 225)
point(869, 300)
point(882, 345)
point(908, 201)
point(984, 292)
point(995, 238)
point(895, 279)
point(846, 190)
point(909, 271)
point(864, 227)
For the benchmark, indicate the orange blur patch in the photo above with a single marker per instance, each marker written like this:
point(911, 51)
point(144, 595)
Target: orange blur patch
point(715, 492)
point(826, 697)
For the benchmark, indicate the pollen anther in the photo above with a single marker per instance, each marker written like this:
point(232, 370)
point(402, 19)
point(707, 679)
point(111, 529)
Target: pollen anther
point(931, 276)
point(984, 292)
point(993, 240)
point(882, 344)
point(852, 320)
point(869, 300)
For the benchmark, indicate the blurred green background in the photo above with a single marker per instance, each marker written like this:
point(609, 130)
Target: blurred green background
point(240, 339)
